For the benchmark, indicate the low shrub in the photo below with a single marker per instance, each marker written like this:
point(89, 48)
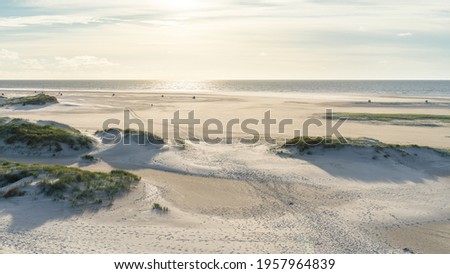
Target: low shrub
point(160, 209)
point(89, 158)
point(14, 192)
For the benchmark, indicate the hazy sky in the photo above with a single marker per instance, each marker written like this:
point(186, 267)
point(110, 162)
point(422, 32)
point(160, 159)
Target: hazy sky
point(225, 39)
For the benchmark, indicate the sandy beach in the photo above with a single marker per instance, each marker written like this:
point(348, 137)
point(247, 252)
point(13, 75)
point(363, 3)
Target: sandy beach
point(244, 198)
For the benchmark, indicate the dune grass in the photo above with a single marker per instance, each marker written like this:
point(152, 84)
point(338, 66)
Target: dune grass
point(7, 178)
point(142, 136)
point(386, 117)
point(38, 99)
point(128, 135)
point(36, 136)
point(14, 192)
point(89, 158)
point(305, 143)
point(159, 208)
point(80, 187)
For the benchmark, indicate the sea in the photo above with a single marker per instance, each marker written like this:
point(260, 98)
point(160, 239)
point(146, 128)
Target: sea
point(423, 88)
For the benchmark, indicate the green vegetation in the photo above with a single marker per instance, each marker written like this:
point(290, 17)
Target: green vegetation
point(142, 136)
point(37, 136)
point(13, 192)
point(160, 209)
point(39, 99)
point(386, 117)
point(128, 135)
point(9, 178)
point(305, 143)
point(78, 186)
point(89, 158)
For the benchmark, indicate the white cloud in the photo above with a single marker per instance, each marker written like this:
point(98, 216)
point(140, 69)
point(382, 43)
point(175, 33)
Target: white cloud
point(403, 34)
point(8, 55)
point(45, 20)
point(13, 62)
point(33, 64)
point(82, 62)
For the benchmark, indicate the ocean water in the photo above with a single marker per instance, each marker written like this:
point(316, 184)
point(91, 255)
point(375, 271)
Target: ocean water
point(440, 88)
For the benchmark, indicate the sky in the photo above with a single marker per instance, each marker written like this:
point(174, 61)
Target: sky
point(224, 39)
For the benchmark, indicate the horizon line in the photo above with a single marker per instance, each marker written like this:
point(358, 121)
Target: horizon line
point(228, 79)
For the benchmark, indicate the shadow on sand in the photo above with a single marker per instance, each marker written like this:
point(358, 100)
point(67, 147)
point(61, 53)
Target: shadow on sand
point(32, 211)
point(374, 165)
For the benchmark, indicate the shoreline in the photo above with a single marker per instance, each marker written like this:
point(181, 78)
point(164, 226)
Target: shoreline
point(258, 94)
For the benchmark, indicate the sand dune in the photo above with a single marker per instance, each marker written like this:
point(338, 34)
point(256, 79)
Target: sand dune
point(244, 198)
